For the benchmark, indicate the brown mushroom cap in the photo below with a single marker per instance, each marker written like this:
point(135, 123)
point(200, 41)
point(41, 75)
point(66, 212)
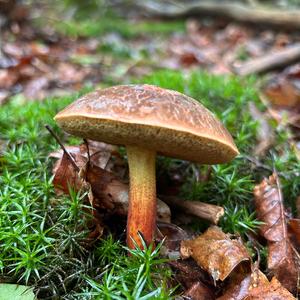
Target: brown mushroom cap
point(165, 121)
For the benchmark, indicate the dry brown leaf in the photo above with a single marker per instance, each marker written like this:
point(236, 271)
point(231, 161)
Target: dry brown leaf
point(241, 285)
point(270, 291)
point(65, 176)
point(8, 78)
point(172, 236)
point(36, 88)
point(283, 90)
point(199, 291)
point(187, 272)
point(110, 194)
point(294, 232)
point(215, 252)
point(255, 286)
point(270, 210)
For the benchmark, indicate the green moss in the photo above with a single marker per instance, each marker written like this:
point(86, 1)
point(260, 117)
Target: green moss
point(231, 185)
point(42, 236)
point(98, 27)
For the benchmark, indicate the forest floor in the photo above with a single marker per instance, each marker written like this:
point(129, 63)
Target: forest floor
point(53, 242)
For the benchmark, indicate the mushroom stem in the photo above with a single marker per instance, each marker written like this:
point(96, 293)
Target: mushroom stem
point(142, 196)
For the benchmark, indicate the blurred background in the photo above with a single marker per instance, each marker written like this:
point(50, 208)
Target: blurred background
point(55, 47)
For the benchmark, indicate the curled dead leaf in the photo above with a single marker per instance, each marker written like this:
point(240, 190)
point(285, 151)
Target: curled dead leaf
point(215, 252)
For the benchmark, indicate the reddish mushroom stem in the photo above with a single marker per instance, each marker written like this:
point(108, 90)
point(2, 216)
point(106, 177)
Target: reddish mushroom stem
point(142, 195)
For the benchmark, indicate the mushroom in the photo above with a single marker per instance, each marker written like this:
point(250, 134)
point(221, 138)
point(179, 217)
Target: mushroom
point(148, 120)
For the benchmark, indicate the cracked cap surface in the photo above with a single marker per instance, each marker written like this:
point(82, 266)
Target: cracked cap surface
point(166, 121)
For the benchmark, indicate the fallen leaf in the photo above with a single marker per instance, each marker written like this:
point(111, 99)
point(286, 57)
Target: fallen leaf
point(294, 232)
point(69, 74)
point(255, 286)
point(172, 236)
point(283, 89)
point(110, 194)
point(270, 291)
point(282, 92)
point(215, 252)
point(65, 176)
point(36, 88)
point(8, 78)
point(241, 285)
point(187, 272)
point(269, 207)
point(199, 291)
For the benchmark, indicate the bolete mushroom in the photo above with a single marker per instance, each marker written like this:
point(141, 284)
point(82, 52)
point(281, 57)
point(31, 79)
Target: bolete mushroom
point(148, 120)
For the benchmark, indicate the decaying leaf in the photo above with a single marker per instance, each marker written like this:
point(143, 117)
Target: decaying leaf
point(109, 193)
point(270, 291)
point(241, 284)
point(172, 236)
point(199, 291)
point(187, 272)
point(284, 89)
point(215, 252)
point(112, 194)
point(65, 176)
point(270, 210)
point(255, 286)
point(294, 231)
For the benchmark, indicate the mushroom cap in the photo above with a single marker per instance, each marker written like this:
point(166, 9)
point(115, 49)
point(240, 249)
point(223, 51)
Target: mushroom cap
point(166, 121)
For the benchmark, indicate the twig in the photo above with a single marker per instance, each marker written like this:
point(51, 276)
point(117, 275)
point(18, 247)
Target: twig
point(257, 163)
point(202, 210)
point(235, 11)
point(270, 61)
point(63, 148)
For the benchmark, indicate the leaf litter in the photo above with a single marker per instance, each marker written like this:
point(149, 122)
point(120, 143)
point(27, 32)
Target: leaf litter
point(218, 256)
point(41, 69)
point(270, 209)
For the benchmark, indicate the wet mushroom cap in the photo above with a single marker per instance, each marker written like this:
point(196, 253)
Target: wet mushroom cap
point(147, 116)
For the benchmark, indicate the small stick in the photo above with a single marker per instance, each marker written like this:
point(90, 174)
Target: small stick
point(63, 148)
point(270, 61)
point(202, 210)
